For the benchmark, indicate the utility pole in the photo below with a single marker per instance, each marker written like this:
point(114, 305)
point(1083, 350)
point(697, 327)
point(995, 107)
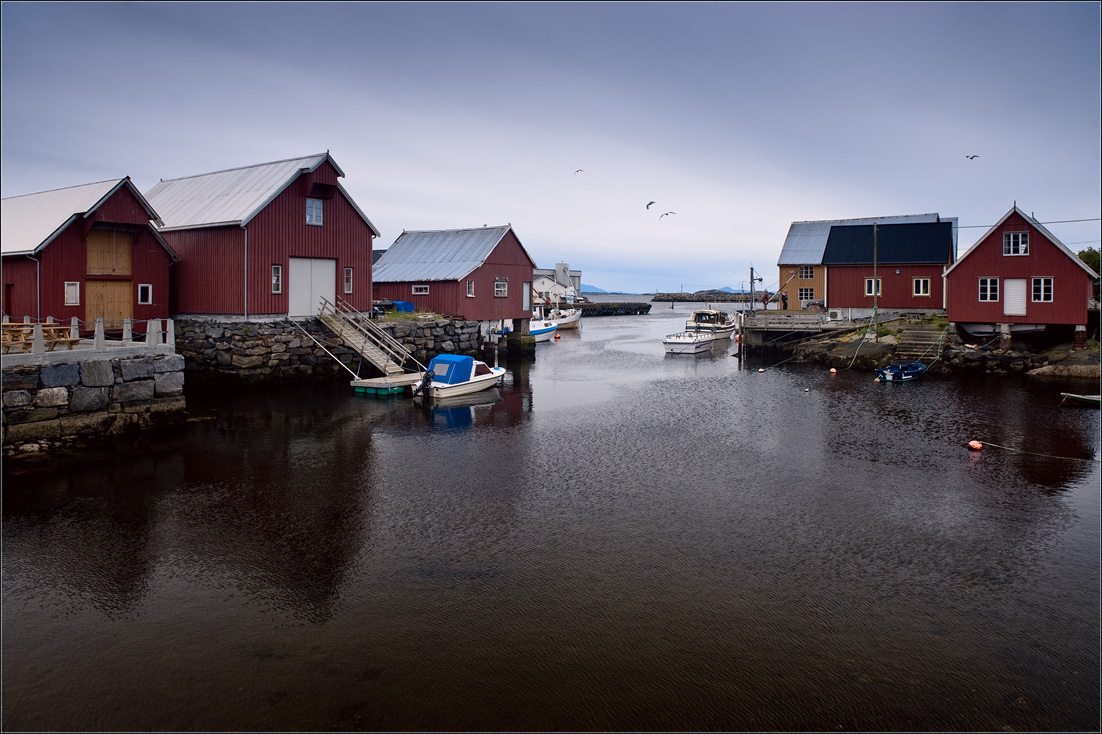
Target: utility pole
point(752, 280)
point(875, 286)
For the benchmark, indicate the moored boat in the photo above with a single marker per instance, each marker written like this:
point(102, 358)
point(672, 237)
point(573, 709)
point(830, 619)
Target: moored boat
point(449, 375)
point(688, 342)
point(710, 321)
point(542, 330)
point(1070, 398)
point(566, 318)
point(901, 372)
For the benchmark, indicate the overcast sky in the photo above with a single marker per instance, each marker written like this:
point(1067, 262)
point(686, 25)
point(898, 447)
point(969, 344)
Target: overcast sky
point(739, 117)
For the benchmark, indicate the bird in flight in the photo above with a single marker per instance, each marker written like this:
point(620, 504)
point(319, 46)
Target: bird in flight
point(648, 205)
point(970, 157)
point(662, 215)
point(578, 171)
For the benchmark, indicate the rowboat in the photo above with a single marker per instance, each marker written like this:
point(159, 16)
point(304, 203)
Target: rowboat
point(1070, 398)
point(901, 372)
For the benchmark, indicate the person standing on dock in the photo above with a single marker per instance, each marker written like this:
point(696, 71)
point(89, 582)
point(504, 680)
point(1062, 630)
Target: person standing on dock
point(764, 300)
point(784, 301)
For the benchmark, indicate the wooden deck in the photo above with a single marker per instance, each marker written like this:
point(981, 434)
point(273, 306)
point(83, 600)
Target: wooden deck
point(389, 385)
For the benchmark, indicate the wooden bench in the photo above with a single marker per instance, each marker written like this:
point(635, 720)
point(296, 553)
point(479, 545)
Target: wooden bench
point(16, 335)
point(56, 334)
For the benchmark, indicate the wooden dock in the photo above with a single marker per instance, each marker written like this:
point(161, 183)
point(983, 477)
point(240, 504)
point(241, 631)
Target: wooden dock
point(390, 385)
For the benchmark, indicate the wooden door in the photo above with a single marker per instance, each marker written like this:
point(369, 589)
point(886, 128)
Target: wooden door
point(109, 252)
point(113, 300)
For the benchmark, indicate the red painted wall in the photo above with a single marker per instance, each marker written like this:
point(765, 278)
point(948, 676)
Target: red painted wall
point(846, 287)
point(1072, 286)
point(449, 298)
point(210, 278)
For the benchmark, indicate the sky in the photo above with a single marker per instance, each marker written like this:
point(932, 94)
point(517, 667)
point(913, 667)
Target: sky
point(566, 119)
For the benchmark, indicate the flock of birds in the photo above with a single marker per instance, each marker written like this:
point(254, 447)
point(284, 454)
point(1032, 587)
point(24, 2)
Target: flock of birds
point(649, 204)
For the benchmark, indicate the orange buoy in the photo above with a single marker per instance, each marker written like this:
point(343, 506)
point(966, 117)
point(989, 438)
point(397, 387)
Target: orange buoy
point(975, 445)
point(832, 370)
point(558, 336)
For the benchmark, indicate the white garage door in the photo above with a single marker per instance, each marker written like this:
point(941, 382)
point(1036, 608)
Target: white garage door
point(307, 282)
point(1014, 297)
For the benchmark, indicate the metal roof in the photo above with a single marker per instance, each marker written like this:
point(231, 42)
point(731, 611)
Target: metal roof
point(233, 196)
point(446, 254)
point(895, 244)
point(806, 241)
point(30, 222)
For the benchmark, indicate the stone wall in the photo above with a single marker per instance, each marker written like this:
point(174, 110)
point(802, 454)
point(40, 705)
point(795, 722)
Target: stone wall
point(98, 396)
point(277, 351)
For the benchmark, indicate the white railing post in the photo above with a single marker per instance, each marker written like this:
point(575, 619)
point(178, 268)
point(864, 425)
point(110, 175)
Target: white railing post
point(153, 333)
point(101, 340)
point(38, 343)
point(127, 331)
point(170, 333)
point(74, 329)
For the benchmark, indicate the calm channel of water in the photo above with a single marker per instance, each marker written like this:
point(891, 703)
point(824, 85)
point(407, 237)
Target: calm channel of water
point(614, 539)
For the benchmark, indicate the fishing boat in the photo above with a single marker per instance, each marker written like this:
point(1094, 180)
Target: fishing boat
point(449, 375)
point(710, 321)
point(688, 342)
point(1070, 398)
point(566, 318)
point(900, 372)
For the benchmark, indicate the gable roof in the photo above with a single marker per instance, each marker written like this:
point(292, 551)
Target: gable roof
point(1036, 225)
point(30, 222)
point(890, 244)
point(806, 241)
point(445, 254)
point(234, 196)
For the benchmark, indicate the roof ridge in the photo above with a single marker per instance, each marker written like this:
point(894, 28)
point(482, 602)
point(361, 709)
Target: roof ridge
point(243, 168)
point(455, 229)
point(113, 181)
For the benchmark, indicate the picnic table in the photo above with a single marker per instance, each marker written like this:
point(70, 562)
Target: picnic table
point(21, 336)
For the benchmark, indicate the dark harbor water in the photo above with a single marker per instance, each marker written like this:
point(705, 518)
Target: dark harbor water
point(615, 539)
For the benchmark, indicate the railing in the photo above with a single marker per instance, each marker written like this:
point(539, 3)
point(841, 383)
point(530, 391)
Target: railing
point(390, 350)
point(38, 338)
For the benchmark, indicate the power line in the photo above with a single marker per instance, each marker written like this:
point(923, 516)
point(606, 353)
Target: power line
point(1058, 221)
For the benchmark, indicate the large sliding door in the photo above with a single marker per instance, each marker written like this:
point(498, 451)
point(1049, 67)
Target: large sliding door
point(308, 281)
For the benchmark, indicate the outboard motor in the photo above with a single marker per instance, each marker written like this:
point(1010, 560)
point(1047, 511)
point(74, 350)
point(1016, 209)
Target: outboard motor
point(425, 382)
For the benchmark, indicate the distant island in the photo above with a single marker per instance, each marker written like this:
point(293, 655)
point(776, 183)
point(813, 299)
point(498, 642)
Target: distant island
point(725, 293)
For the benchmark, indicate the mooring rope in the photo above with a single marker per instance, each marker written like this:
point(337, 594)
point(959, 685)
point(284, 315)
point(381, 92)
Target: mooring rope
point(1033, 453)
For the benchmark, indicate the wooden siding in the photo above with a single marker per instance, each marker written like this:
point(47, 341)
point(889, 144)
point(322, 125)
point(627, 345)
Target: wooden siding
point(846, 287)
point(508, 260)
point(210, 279)
point(1072, 286)
point(793, 286)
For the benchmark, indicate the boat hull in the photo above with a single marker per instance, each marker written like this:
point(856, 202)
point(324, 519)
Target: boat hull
point(905, 372)
point(475, 384)
point(567, 319)
point(710, 321)
point(542, 331)
point(1091, 401)
point(688, 343)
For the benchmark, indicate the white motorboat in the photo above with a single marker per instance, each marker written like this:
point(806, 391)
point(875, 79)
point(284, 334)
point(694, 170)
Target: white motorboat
point(566, 318)
point(688, 342)
point(449, 375)
point(710, 321)
point(542, 329)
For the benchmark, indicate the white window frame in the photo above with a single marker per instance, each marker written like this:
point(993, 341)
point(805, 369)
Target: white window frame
point(420, 290)
point(72, 293)
point(1042, 281)
point(806, 294)
point(347, 280)
point(277, 279)
point(315, 211)
point(807, 272)
point(501, 289)
point(1015, 243)
point(921, 287)
point(470, 289)
point(147, 299)
point(879, 286)
point(988, 290)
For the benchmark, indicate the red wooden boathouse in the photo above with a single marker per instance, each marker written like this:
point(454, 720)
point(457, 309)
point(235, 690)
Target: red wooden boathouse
point(266, 241)
point(87, 251)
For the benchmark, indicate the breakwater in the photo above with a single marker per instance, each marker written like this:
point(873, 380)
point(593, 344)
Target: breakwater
point(613, 309)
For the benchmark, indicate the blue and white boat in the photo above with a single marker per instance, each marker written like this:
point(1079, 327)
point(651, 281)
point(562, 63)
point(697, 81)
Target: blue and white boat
point(542, 329)
point(449, 375)
point(901, 372)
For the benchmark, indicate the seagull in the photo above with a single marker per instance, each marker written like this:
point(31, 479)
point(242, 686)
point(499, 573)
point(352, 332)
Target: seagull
point(578, 171)
point(660, 216)
point(648, 205)
point(970, 157)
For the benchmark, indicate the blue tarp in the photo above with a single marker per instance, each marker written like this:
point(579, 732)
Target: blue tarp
point(403, 306)
point(451, 369)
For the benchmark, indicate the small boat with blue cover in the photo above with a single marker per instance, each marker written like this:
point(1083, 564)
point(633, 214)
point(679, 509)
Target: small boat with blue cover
point(449, 375)
point(901, 372)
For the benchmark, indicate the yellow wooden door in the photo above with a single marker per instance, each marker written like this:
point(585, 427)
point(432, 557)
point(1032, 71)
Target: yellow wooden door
point(112, 300)
point(109, 252)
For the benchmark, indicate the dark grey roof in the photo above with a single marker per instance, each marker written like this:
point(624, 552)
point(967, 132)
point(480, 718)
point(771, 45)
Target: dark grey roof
point(896, 244)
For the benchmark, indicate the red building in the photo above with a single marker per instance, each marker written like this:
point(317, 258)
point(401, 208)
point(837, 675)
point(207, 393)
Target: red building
point(87, 251)
point(481, 274)
point(266, 241)
point(1018, 278)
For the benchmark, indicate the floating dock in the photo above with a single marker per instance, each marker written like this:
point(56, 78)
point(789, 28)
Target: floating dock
point(390, 385)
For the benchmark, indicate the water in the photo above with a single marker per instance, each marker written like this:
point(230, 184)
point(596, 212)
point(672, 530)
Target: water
point(616, 539)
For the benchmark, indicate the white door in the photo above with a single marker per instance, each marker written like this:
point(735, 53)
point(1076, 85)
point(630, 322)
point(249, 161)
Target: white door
point(1014, 295)
point(308, 280)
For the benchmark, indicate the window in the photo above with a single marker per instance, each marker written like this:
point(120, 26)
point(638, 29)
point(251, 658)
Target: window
point(72, 293)
point(1042, 290)
point(420, 290)
point(313, 211)
point(868, 287)
point(348, 280)
point(277, 279)
point(470, 289)
point(1015, 243)
point(807, 272)
point(145, 294)
point(501, 289)
point(989, 289)
point(807, 294)
point(922, 286)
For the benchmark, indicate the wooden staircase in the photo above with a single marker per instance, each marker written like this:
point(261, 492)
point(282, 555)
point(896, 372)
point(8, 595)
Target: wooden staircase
point(358, 333)
point(919, 344)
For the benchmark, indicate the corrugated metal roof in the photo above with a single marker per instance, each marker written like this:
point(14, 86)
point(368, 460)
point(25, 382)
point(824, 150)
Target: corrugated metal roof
point(806, 241)
point(233, 196)
point(31, 221)
point(447, 254)
point(896, 244)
